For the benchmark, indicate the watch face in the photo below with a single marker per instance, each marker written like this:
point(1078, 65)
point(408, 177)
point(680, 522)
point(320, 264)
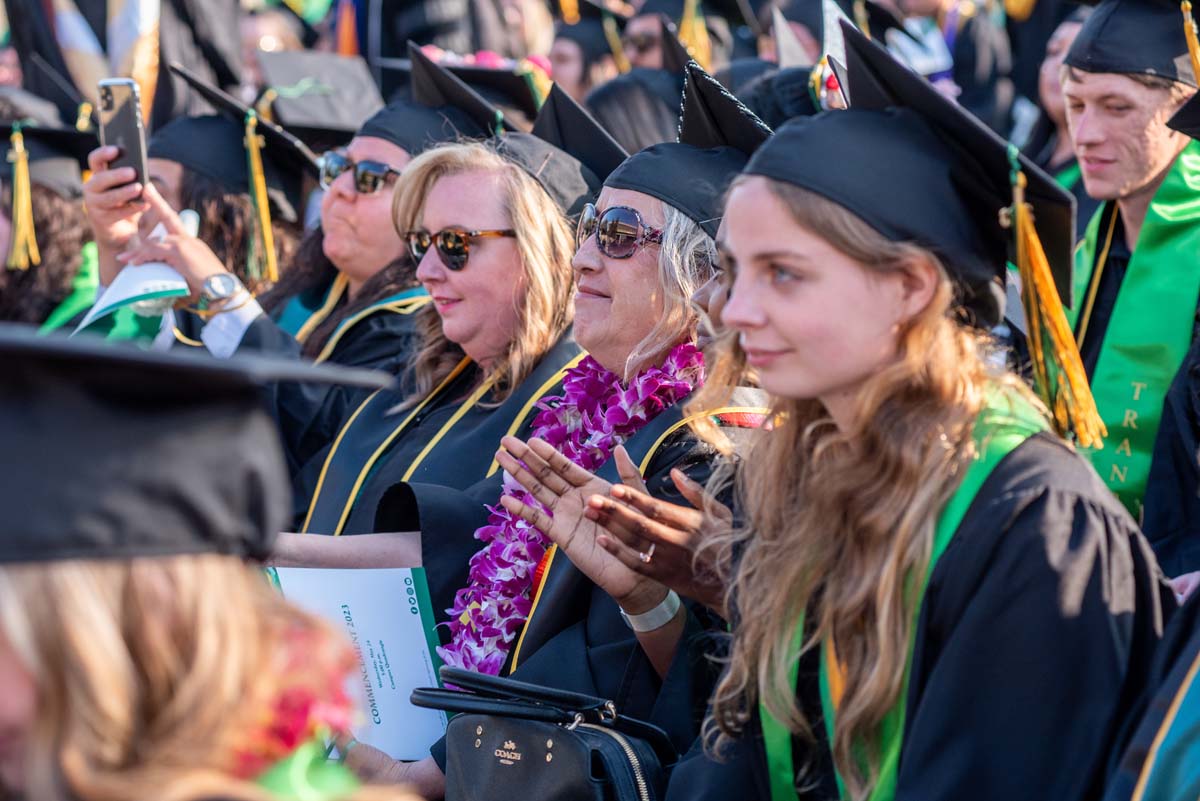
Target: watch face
point(221, 286)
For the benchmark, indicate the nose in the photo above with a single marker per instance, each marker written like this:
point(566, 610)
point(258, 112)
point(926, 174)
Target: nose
point(430, 269)
point(588, 258)
point(1085, 128)
point(343, 186)
point(743, 310)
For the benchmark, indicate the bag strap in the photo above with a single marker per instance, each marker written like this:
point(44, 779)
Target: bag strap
point(471, 704)
point(503, 688)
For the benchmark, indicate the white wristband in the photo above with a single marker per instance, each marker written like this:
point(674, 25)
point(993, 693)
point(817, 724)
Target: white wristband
point(655, 618)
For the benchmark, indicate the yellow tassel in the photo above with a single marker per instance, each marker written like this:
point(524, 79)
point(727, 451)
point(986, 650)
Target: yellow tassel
point(1051, 343)
point(694, 34)
point(24, 251)
point(263, 106)
point(816, 81)
point(83, 117)
point(258, 193)
point(1189, 33)
point(570, 11)
point(539, 82)
point(861, 19)
point(613, 37)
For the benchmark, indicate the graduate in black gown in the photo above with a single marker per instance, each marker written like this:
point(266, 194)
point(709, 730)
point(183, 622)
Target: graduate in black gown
point(1136, 288)
point(896, 635)
point(650, 235)
point(496, 336)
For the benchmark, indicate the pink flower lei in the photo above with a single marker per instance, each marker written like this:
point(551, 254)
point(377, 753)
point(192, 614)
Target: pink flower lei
point(586, 423)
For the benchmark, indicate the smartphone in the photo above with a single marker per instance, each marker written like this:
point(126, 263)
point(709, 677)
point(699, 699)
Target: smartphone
point(121, 124)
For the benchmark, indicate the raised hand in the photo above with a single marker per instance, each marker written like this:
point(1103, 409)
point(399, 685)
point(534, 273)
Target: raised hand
point(563, 488)
point(189, 256)
point(114, 205)
point(659, 539)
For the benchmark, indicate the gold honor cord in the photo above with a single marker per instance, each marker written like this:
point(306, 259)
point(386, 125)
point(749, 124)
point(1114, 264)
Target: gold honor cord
point(1094, 287)
point(258, 193)
point(1058, 369)
point(400, 307)
point(24, 251)
point(519, 420)
point(336, 290)
point(1189, 33)
point(362, 476)
point(693, 33)
point(613, 37)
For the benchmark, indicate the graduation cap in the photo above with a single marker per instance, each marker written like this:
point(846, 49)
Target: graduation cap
point(244, 154)
point(917, 167)
point(717, 135)
point(322, 98)
point(567, 152)
point(788, 50)
point(597, 31)
point(42, 151)
point(1139, 37)
point(435, 89)
point(517, 92)
point(115, 452)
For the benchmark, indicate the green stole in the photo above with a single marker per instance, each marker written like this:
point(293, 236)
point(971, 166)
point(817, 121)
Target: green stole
point(1150, 328)
point(83, 291)
point(1004, 423)
point(307, 775)
point(1069, 176)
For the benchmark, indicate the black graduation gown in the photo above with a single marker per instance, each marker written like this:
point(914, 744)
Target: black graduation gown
point(982, 63)
point(575, 639)
point(1175, 657)
point(462, 457)
point(1034, 639)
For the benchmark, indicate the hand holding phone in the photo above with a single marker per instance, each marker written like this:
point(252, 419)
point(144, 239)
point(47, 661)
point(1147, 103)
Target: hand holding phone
point(121, 125)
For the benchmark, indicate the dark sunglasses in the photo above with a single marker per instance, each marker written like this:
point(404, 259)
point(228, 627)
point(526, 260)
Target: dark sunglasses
point(369, 176)
point(619, 231)
point(453, 245)
point(642, 42)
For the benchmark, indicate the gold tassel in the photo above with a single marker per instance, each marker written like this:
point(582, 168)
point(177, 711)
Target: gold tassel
point(1066, 393)
point(570, 11)
point(24, 251)
point(264, 105)
point(613, 37)
point(258, 194)
point(694, 34)
point(83, 117)
point(861, 19)
point(816, 82)
point(539, 82)
point(1189, 33)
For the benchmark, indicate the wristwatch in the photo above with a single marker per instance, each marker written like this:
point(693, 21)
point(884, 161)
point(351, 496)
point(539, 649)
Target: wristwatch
point(220, 287)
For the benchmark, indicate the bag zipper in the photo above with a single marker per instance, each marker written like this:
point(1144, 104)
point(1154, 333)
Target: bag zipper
point(639, 778)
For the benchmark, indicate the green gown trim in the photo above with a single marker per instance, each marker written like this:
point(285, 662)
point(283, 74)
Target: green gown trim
point(1150, 328)
point(82, 294)
point(1003, 424)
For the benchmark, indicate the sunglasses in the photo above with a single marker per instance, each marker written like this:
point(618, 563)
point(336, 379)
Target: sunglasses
point(619, 231)
point(641, 43)
point(369, 176)
point(453, 245)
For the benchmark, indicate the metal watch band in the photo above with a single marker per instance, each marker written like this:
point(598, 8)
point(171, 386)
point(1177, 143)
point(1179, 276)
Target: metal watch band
point(655, 618)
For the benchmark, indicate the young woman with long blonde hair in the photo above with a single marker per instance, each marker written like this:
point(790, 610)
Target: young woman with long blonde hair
point(931, 594)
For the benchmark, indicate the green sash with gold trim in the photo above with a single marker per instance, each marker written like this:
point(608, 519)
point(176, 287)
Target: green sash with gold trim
point(1150, 329)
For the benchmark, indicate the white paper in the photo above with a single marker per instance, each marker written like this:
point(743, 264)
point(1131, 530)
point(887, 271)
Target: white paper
point(388, 617)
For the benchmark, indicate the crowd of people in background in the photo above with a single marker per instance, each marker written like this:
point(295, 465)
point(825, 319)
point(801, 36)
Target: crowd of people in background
point(817, 382)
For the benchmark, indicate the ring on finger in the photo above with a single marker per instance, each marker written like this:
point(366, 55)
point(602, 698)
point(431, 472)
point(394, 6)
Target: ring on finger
point(647, 554)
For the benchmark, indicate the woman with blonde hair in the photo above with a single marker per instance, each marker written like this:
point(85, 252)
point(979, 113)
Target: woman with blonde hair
point(932, 595)
point(136, 484)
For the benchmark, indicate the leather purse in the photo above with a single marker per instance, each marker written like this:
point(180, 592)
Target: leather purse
point(511, 739)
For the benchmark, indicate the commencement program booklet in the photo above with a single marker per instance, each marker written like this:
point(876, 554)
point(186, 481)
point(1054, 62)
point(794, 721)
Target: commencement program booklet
point(388, 617)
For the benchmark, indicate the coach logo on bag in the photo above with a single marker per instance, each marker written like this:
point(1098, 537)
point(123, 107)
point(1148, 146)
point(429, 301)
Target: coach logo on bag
point(509, 754)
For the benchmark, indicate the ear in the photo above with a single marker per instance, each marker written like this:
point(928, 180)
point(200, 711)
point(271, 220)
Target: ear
point(919, 281)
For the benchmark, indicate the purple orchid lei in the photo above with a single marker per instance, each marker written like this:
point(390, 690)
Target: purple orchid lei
point(586, 423)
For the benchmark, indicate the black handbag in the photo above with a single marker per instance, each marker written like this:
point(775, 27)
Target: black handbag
point(513, 740)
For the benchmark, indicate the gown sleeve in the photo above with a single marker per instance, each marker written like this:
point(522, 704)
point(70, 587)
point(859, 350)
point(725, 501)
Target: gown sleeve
point(1035, 636)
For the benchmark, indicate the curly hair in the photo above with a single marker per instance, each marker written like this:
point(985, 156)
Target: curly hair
point(61, 230)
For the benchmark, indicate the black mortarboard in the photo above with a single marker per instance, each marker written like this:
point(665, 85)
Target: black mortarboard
point(1135, 37)
point(513, 91)
point(56, 153)
point(215, 147)
point(716, 137)
point(921, 169)
point(1187, 119)
point(567, 152)
point(322, 98)
point(114, 452)
point(589, 32)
